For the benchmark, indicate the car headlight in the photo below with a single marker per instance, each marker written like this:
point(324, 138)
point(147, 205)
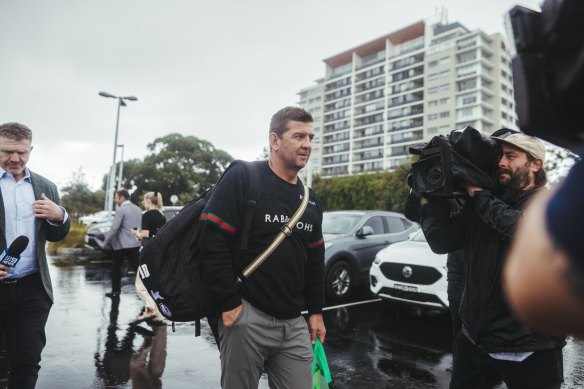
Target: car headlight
point(327, 245)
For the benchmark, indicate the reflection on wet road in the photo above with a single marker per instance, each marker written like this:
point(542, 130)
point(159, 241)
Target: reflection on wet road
point(91, 344)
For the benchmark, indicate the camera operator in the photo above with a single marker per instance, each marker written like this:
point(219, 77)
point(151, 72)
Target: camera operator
point(544, 273)
point(492, 345)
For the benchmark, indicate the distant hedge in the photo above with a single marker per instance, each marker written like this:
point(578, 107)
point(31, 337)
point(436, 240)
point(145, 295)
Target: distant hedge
point(381, 190)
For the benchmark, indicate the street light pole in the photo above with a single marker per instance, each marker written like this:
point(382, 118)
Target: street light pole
point(112, 179)
point(121, 168)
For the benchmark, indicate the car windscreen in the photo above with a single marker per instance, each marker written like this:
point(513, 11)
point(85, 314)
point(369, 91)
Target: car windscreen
point(419, 237)
point(334, 223)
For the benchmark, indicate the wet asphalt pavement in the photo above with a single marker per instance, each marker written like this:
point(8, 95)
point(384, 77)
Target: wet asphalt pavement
point(90, 343)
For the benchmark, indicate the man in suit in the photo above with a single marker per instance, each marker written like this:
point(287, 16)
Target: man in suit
point(122, 238)
point(29, 206)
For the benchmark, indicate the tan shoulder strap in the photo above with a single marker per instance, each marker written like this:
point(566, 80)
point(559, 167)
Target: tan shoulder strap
point(285, 231)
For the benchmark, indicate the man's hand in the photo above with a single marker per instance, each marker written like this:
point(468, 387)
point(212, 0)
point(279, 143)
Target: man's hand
point(3, 271)
point(230, 316)
point(471, 189)
point(316, 325)
point(46, 209)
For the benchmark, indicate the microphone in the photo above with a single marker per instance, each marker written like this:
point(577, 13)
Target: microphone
point(12, 253)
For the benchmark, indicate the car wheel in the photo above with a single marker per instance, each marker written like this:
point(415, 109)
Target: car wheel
point(339, 281)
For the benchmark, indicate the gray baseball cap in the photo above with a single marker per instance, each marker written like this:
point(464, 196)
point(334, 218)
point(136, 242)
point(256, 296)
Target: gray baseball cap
point(529, 144)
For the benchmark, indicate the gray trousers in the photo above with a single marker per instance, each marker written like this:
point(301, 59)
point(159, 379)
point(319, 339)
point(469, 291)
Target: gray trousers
point(256, 341)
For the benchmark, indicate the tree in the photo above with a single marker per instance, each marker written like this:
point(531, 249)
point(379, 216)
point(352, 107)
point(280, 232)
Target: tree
point(182, 165)
point(78, 199)
point(558, 162)
point(380, 190)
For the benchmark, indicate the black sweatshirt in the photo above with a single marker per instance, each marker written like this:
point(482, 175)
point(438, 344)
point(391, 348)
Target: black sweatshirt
point(293, 276)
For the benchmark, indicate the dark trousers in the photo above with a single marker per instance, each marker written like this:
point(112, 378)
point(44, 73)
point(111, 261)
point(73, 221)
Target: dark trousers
point(118, 256)
point(474, 368)
point(455, 289)
point(24, 309)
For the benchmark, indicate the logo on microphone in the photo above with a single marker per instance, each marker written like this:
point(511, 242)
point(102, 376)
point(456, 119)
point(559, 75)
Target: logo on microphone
point(9, 260)
point(12, 253)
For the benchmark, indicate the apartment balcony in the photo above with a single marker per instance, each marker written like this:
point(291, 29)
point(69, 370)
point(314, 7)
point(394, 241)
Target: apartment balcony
point(340, 148)
point(338, 84)
point(369, 74)
point(404, 112)
point(335, 171)
point(405, 99)
point(334, 128)
point(407, 62)
point(357, 158)
point(367, 111)
point(366, 65)
point(370, 85)
point(368, 120)
point(337, 105)
point(338, 94)
point(370, 131)
point(378, 94)
point(336, 138)
point(335, 160)
point(367, 144)
point(336, 116)
point(407, 74)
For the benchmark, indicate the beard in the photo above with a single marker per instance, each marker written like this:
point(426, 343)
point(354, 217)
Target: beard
point(519, 178)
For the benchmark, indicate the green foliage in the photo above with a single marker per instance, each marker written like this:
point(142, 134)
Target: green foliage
point(74, 239)
point(381, 190)
point(78, 199)
point(176, 164)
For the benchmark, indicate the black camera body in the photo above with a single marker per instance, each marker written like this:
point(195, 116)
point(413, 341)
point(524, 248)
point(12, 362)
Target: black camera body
point(448, 162)
point(548, 71)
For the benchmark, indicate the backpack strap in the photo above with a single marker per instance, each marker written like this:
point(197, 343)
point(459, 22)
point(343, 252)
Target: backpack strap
point(254, 188)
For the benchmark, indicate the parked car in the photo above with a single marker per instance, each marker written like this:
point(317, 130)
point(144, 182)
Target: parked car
point(96, 234)
point(352, 239)
point(410, 272)
point(94, 218)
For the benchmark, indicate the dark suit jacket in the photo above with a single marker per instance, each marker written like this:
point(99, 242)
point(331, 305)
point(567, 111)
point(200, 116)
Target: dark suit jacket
point(44, 230)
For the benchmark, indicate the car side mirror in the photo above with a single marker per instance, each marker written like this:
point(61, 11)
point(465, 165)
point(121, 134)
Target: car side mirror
point(364, 231)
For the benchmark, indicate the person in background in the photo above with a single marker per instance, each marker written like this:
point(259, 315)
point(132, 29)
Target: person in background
point(123, 239)
point(152, 220)
point(29, 206)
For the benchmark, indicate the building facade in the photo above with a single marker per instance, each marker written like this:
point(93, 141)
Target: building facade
point(311, 99)
point(404, 88)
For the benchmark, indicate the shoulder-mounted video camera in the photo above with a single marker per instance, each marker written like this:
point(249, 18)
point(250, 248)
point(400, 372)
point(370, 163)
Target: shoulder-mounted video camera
point(548, 71)
point(447, 162)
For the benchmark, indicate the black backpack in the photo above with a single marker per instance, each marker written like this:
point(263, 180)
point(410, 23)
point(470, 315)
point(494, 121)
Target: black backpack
point(169, 264)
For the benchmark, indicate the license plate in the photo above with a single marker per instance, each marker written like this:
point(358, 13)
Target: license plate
point(405, 288)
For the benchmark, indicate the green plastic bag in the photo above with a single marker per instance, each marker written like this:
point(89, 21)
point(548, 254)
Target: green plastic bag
point(321, 375)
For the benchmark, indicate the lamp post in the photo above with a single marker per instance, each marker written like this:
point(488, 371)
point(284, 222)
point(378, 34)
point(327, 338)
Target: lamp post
point(121, 168)
point(112, 179)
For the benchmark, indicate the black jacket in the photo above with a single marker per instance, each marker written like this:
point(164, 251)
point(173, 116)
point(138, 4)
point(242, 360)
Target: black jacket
point(484, 228)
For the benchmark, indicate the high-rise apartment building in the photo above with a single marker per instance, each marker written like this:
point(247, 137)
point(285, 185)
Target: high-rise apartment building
point(404, 88)
point(311, 99)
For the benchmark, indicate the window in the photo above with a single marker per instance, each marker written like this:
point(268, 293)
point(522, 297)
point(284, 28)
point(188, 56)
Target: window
point(395, 224)
point(468, 98)
point(466, 70)
point(444, 114)
point(375, 222)
point(440, 88)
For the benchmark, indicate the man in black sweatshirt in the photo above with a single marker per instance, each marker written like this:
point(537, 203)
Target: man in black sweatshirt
point(260, 325)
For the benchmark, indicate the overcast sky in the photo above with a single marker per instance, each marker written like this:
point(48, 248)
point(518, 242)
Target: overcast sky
point(215, 69)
